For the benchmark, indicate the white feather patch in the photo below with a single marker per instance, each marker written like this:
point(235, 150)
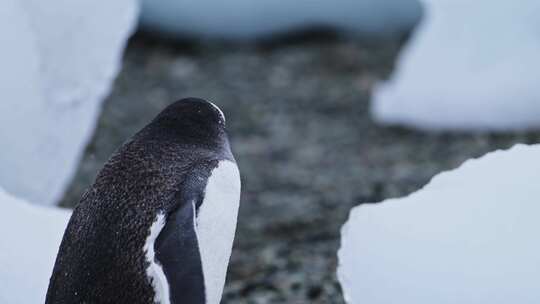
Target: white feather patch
point(155, 271)
point(219, 110)
point(216, 226)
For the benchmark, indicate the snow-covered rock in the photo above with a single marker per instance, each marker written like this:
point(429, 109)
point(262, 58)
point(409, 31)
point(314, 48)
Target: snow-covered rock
point(470, 65)
point(58, 61)
point(250, 19)
point(29, 242)
point(470, 236)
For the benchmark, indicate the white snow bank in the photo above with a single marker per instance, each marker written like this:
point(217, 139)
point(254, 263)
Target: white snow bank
point(29, 242)
point(248, 19)
point(470, 65)
point(470, 236)
point(58, 61)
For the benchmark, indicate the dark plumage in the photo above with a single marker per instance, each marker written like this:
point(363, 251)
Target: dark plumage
point(101, 258)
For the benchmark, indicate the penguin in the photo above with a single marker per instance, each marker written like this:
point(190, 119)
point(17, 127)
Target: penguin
point(157, 225)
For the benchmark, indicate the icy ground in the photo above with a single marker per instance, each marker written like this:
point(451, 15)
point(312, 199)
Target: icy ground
point(29, 242)
point(470, 65)
point(256, 19)
point(469, 236)
point(58, 62)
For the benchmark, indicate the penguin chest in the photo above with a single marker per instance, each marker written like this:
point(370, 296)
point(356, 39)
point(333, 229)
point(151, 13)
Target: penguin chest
point(215, 226)
point(187, 251)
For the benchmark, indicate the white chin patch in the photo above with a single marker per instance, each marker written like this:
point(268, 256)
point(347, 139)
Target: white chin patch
point(216, 226)
point(155, 271)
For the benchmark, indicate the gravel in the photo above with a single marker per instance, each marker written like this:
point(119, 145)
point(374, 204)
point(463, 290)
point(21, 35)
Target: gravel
point(298, 118)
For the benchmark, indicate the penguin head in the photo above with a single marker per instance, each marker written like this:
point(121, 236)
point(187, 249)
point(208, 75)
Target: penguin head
point(191, 120)
point(196, 111)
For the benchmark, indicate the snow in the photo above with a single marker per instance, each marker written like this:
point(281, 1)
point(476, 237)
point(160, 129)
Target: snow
point(248, 19)
point(58, 62)
point(470, 236)
point(31, 236)
point(470, 65)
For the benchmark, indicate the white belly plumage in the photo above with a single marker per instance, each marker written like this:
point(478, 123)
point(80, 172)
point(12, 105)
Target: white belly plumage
point(216, 226)
point(154, 270)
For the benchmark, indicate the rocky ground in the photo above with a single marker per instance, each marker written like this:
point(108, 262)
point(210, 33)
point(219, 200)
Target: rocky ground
point(298, 117)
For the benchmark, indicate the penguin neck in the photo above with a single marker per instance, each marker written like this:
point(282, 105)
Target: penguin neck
point(206, 139)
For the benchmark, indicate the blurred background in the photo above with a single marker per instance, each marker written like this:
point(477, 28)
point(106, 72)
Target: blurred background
point(295, 82)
